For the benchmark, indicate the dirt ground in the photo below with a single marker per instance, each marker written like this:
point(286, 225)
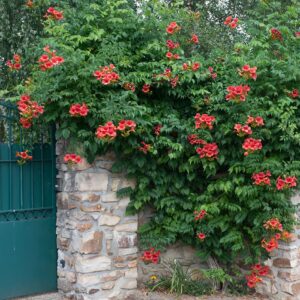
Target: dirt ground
point(143, 295)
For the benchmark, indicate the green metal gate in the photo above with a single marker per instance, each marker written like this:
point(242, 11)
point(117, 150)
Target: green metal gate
point(27, 209)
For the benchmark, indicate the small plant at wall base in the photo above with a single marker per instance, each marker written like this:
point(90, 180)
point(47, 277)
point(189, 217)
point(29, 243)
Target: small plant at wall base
point(215, 133)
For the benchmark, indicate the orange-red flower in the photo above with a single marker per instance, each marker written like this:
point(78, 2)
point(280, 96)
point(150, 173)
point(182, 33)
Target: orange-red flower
point(209, 151)
point(286, 183)
point(262, 178)
point(251, 145)
point(151, 256)
point(79, 110)
point(273, 224)
point(172, 28)
point(237, 93)
point(107, 75)
point(54, 14)
point(23, 157)
point(72, 159)
point(248, 72)
point(106, 132)
point(201, 236)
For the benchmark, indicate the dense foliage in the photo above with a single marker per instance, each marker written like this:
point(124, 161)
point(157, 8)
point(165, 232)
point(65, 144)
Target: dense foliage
point(179, 167)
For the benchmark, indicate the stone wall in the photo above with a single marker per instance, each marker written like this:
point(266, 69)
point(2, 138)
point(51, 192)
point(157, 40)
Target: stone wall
point(97, 243)
point(284, 281)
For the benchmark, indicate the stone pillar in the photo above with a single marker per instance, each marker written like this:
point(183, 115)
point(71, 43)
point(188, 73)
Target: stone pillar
point(284, 282)
point(97, 243)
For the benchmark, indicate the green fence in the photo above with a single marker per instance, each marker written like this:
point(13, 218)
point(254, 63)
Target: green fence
point(27, 208)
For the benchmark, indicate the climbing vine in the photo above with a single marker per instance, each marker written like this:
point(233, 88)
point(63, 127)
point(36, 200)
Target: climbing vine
point(212, 139)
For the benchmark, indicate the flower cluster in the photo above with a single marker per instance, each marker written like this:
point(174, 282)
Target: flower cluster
point(294, 93)
point(194, 140)
point(106, 132)
point(129, 86)
point(212, 73)
point(199, 215)
point(242, 130)
point(15, 64)
point(54, 14)
point(72, 159)
point(255, 121)
point(237, 93)
point(157, 129)
point(276, 34)
point(192, 67)
point(151, 256)
point(126, 126)
point(174, 81)
point(209, 151)
point(262, 178)
point(248, 72)
point(146, 88)
point(23, 157)
point(286, 183)
point(194, 39)
point(49, 60)
point(172, 56)
point(257, 270)
point(273, 224)
point(107, 75)
point(204, 121)
point(29, 110)
point(231, 22)
point(172, 28)
point(145, 148)
point(271, 244)
point(78, 110)
point(297, 34)
point(251, 145)
point(172, 45)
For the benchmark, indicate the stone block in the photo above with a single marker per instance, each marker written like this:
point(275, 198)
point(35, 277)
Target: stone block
point(285, 263)
point(64, 285)
point(288, 276)
point(111, 276)
point(128, 251)
point(102, 164)
point(91, 208)
point(129, 227)
point(93, 245)
point(86, 280)
point(108, 285)
point(110, 197)
point(115, 183)
point(108, 220)
point(84, 226)
point(87, 182)
point(296, 289)
point(132, 273)
point(63, 243)
point(128, 183)
point(127, 283)
point(126, 240)
point(85, 264)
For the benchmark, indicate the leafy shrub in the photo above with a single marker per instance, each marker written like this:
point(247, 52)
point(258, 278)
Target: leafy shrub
point(175, 175)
